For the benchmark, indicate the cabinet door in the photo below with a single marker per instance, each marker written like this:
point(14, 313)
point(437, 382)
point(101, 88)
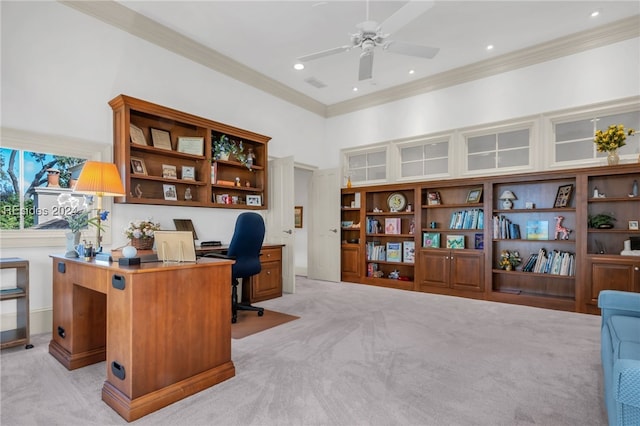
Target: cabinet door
point(467, 270)
point(434, 265)
point(613, 275)
point(268, 283)
point(350, 262)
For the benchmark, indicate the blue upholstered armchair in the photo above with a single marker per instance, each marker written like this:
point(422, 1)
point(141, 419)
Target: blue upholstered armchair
point(621, 355)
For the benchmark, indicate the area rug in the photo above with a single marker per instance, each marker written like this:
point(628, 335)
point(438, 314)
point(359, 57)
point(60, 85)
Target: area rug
point(250, 323)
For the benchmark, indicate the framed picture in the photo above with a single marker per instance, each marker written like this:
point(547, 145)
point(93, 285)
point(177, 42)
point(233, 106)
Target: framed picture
point(455, 241)
point(188, 173)
point(433, 198)
point(170, 193)
point(633, 225)
point(474, 195)
point(297, 216)
point(537, 230)
point(137, 135)
point(190, 145)
point(430, 240)
point(161, 138)
point(478, 242)
point(137, 166)
point(254, 200)
point(169, 171)
point(563, 197)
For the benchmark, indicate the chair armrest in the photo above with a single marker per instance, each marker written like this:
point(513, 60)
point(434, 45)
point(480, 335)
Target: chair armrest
point(626, 373)
point(615, 302)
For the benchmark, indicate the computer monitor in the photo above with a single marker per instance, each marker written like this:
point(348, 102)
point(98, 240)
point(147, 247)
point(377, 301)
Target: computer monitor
point(175, 246)
point(185, 225)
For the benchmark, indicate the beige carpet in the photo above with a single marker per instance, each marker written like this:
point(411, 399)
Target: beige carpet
point(250, 323)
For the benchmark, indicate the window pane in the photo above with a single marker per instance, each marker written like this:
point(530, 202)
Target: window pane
point(435, 150)
point(359, 175)
point(376, 158)
point(438, 166)
point(580, 150)
point(574, 130)
point(517, 139)
point(482, 143)
point(356, 161)
point(377, 173)
point(513, 158)
point(481, 161)
point(411, 153)
point(413, 168)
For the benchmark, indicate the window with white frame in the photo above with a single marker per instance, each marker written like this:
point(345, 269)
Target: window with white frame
point(28, 196)
point(498, 150)
point(424, 158)
point(574, 138)
point(367, 165)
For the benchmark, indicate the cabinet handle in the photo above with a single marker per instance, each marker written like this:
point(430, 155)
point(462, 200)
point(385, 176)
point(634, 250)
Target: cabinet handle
point(268, 272)
point(636, 269)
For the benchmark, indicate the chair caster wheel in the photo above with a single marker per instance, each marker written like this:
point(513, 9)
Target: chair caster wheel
point(260, 313)
point(234, 320)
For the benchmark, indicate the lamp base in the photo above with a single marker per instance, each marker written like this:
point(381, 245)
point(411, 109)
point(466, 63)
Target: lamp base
point(507, 204)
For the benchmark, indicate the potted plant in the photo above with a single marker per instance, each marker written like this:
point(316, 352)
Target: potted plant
point(142, 233)
point(224, 148)
point(601, 220)
point(611, 140)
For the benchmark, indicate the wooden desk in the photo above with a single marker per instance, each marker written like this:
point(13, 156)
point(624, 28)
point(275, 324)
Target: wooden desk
point(163, 329)
point(268, 283)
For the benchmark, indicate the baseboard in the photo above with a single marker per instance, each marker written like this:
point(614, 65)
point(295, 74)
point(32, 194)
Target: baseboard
point(40, 321)
point(301, 270)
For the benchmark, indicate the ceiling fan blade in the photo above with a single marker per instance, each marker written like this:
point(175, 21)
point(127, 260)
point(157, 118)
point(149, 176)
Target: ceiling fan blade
point(324, 53)
point(404, 15)
point(366, 66)
point(411, 49)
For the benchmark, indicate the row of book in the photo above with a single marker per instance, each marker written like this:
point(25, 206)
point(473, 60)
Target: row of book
point(404, 251)
point(554, 263)
point(503, 228)
point(467, 219)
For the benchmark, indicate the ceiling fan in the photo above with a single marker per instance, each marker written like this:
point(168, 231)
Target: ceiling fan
point(370, 35)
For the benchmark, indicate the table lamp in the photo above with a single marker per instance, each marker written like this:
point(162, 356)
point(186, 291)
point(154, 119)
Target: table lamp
point(99, 179)
point(506, 198)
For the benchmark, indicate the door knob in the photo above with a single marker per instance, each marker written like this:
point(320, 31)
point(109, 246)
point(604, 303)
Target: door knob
point(288, 231)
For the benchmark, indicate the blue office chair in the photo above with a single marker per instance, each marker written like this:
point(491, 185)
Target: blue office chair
point(244, 248)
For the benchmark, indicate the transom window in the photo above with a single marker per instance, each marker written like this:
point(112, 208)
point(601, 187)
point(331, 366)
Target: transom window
point(367, 166)
point(427, 158)
point(500, 150)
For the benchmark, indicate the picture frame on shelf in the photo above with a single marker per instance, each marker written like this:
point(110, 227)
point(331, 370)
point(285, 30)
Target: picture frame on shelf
point(433, 198)
point(431, 240)
point(297, 216)
point(563, 196)
point(169, 171)
point(161, 138)
point(138, 166)
point(633, 225)
point(188, 173)
point(478, 241)
point(455, 241)
point(170, 193)
point(537, 230)
point(474, 196)
point(254, 200)
point(191, 145)
point(137, 135)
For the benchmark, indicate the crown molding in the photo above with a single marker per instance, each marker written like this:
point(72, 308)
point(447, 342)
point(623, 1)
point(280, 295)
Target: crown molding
point(574, 43)
point(138, 25)
point(147, 29)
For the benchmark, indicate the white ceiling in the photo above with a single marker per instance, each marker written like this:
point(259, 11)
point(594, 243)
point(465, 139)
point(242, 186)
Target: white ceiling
point(268, 36)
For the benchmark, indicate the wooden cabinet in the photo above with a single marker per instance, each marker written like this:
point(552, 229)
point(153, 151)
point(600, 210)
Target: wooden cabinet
point(268, 283)
point(457, 270)
point(461, 229)
point(20, 294)
point(165, 157)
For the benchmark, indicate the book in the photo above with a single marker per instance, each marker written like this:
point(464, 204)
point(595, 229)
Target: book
point(430, 240)
point(537, 230)
point(478, 241)
point(455, 241)
point(408, 251)
point(394, 252)
point(392, 225)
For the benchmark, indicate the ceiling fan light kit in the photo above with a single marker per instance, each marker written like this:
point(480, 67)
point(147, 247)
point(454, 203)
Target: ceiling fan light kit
point(370, 35)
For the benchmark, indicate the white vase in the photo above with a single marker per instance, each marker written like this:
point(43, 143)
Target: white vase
point(73, 239)
point(613, 158)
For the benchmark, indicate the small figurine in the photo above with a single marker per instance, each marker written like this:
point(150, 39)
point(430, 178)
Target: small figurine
point(394, 275)
point(237, 181)
point(138, 191)
point(561, 229)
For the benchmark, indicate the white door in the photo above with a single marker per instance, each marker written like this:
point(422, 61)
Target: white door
point(324, 226)
point(279, 217)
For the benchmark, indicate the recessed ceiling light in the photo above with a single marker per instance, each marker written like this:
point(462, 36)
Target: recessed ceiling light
point(490, 47)
point(412, 71)
point(355, 89)
point(595, 13)
point(298, 66)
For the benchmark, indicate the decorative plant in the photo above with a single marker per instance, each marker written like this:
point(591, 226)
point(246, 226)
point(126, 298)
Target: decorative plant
point(509, 260)
point(141, 229)
point(224, 145)
point(612, 138)
point(77, 215)
point(602, 219)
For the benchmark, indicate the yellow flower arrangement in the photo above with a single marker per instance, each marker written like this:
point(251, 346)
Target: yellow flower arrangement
point(612, 138)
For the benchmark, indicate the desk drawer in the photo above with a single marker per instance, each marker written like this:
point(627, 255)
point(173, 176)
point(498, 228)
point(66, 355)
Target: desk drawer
point(271, 254)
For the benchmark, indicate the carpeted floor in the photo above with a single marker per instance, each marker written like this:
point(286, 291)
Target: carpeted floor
point(358, 355)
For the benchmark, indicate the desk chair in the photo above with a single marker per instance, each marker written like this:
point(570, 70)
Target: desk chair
point(244, 248)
